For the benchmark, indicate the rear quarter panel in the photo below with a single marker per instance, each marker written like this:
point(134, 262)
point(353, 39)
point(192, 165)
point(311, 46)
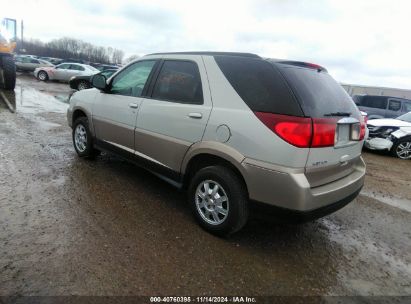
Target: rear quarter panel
point(249, 136)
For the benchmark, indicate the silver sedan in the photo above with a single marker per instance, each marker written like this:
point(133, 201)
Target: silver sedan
point(30, 64)
point(64, 72)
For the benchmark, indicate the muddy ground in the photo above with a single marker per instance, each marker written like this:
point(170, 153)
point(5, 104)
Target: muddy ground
point(74, 227)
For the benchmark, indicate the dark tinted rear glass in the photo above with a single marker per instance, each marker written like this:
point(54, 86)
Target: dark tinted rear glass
point(379, 102)
point(318, 93)
point(179, 81)
point(259, 84)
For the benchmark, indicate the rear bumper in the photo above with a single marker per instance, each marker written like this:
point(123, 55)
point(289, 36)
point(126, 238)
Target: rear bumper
point(301, 216)
point(290, 189)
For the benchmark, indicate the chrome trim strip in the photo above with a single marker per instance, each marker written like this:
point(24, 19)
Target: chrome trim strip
point(136, 153)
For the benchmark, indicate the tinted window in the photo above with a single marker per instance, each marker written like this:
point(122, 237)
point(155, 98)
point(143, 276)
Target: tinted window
point(357, 99)
point(34, 61)
point(131, 80)
point(394, 105)
point(318, 92)
point(259, 84)
point(179, 81)
point(407, 106)
point(379, 102)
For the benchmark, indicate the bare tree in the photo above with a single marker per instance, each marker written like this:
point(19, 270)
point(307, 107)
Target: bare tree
point(131, 58)
point(70, 48)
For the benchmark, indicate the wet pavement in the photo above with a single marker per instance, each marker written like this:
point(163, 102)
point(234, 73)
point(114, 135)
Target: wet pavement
point(74, 227)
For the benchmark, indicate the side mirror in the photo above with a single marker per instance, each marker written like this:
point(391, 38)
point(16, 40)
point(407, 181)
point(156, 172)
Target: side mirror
point(99, 81)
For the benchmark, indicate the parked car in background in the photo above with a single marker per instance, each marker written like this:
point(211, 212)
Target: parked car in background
point(25, 63)
point(382, 106)
point(103, 67)
point(234, 129)
point(83, 82)
point(55, 61)
point(64, 72)
point(391, 134)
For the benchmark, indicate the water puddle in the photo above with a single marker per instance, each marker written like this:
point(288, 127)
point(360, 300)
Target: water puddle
point(392, 201)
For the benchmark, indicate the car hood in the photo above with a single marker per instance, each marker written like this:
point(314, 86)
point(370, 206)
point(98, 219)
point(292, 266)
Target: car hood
point(388, 122)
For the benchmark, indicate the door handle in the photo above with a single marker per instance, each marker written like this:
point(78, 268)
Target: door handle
point(133, 105)
point(195, 115)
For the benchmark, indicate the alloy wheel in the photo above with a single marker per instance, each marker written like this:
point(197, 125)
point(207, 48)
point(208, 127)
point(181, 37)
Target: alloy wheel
point(212, 202)
point(80, 138)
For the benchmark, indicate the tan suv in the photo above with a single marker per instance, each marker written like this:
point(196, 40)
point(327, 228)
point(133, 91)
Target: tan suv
point(234, 129)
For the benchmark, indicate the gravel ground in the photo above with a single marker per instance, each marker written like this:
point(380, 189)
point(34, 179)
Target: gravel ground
point(74, 227)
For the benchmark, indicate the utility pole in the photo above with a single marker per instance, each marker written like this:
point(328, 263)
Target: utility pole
point(22, 36)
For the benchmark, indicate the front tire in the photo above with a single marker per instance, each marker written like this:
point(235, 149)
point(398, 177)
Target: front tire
point(43, 76)
point(83, 139)
point(402, 149)
point(9, 72)
point(82, 85)
point(218, 200)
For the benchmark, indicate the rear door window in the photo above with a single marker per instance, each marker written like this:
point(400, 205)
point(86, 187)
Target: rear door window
point(318, 93)
point(179, 81)
point(407, 106)
point(394, 105)
point(259, 84)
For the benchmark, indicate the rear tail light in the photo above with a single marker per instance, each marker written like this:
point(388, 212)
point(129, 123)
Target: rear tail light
point(324, 132)
point(301, 132)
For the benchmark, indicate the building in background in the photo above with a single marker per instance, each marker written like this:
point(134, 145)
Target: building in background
point(354, 89)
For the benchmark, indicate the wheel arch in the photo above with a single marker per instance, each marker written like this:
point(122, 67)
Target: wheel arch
point(206, 154)
point(81, 112)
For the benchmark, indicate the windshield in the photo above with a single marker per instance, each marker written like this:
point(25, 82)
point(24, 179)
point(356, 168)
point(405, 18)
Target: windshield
point(405, 117)
point(319, 94)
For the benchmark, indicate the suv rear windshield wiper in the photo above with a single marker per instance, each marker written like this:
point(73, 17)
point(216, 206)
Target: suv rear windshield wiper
point(338, 114)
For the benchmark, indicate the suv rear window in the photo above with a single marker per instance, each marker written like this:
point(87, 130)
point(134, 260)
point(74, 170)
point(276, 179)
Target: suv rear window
point(318, 93)
point(259, 84)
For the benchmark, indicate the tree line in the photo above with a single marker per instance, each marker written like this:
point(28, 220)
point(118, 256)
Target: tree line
point(67, 47)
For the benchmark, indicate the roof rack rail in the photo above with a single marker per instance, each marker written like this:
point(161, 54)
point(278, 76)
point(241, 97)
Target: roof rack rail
point(249, 55)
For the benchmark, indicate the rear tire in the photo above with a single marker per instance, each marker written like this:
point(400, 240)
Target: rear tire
point(9, 72)
point(215, 214)
point(402, 149)
point(43, 76)
point(83, 139)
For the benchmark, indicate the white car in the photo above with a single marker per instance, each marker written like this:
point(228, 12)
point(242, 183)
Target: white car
point(64, 72)
point(391, 134)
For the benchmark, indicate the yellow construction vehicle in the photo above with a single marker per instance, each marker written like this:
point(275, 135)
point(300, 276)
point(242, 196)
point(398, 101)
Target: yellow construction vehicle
point(8, 35)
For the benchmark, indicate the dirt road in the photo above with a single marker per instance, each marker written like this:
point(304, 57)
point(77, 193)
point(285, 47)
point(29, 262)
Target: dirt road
point(74, 227)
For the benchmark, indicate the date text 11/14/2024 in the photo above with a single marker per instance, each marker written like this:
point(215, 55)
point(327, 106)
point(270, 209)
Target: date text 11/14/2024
point(203, 299)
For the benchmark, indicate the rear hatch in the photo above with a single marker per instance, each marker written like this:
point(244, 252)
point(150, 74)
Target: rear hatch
point(338, 127)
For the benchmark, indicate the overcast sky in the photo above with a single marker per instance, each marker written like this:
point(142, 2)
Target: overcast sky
point(358, 41)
